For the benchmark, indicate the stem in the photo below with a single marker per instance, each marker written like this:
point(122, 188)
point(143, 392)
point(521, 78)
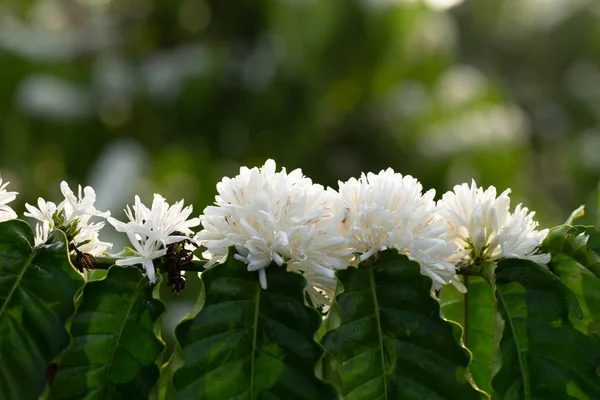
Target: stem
point(107, 262)
point(598, 206)
point(466, 310)
point(468, 271)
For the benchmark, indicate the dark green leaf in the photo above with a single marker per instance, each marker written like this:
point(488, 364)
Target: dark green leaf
point(115, 348)
point(249, 343)
point(386, 339)
point(543, 356)
point(37, 289)
point(581, 243)
point(476, 311)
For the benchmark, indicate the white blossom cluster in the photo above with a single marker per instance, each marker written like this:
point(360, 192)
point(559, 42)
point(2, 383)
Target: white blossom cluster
point(6, 213)
point(390, 211)
point(273, 217)
point(151, 230)
point(485, 229)
point(73, 213)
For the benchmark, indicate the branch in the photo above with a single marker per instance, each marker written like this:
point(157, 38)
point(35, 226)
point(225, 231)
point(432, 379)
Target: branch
point(468, 271)
point(107, 262)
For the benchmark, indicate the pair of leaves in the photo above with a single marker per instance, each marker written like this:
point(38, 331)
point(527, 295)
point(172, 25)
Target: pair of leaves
point(249, 343)
point(386, 340)
point(541, 353)
point(37, 289)
point(114, 347)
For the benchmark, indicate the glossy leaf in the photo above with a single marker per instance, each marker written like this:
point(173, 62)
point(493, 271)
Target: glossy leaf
point(586, 288)
point(249, 343)
point(37, 289)
point(543, 356)
point(115, 347)
point(386, 339)
point(581, 243)
point(477, 312)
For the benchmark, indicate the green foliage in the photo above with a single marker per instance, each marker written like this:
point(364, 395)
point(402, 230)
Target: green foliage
point(37, 289)
point(249, 343)
point(576, 261)
point(477, 312)
point(363, 86)
point(543, 356)
point(385, 337)
point(115, 348)
point(581, 243)
point(532, 332)
point(585, 286)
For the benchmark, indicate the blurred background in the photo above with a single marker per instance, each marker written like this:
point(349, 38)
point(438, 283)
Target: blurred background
point(138, 96)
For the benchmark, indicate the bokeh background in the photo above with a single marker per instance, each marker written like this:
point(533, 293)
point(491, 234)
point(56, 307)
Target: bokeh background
point(142, 96)
point(137, 96)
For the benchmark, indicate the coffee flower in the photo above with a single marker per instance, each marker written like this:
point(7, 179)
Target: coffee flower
point(6, 212)
point(151, 230)
point(42, 231)
point(389, 211)
point(80, 207)
point(73, 216)
point(483, 226)
point(321, 288)
point(274, 217)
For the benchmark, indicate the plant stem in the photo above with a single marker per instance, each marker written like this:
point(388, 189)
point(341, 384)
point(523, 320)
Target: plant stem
point(468, 271)
point(107, 262)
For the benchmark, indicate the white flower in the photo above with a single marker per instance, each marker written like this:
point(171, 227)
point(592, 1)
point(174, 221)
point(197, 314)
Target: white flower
point(88, 241)
point(150, 231)
point(321, 288)
point(484, 227)
point(274, 217)
point(41, 233)
point(43, 213)
point(387, 210)
point(6, 212)
point(79, 207)
point(72, 210)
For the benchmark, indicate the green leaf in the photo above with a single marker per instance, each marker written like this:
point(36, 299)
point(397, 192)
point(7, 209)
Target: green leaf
point(586, 288)
point(37, 289)
point(249, 343)
point(543, 356)
point(386, 339)
point(115, 347)
point(581, 243)
point(477, 312)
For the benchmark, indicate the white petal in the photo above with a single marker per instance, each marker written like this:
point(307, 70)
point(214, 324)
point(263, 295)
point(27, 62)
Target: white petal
point(262, 277)
point(149, 266)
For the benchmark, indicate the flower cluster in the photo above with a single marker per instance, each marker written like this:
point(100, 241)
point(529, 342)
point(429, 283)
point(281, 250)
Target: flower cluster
point(73, 216)
point(272, 217)
point(6, 213)
point(483, 226)
point(387, 210)
point(152, 230)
